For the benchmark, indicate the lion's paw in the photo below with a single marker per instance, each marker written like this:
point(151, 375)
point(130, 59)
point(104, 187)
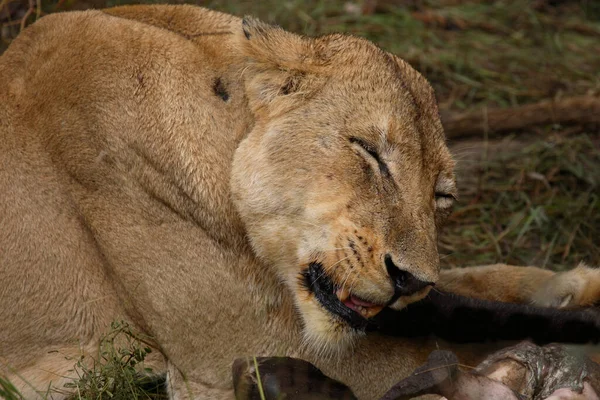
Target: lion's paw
point(579, 287)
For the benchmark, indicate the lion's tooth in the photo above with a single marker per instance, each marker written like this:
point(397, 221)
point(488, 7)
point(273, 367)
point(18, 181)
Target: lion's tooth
point(343, 294)
point(372, 311)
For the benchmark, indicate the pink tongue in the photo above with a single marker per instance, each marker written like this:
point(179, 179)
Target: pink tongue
point(360, 302)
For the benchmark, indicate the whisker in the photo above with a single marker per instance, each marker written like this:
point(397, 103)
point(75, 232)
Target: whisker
point(337, 262)
point(328, 268)
point(348, 274)
point(354, 282)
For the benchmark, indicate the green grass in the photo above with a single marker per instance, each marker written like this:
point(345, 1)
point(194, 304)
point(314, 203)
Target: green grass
point(537, 204)
point(117, 372)
point(8, 391)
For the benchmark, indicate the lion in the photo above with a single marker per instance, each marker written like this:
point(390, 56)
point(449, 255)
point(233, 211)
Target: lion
point(229, 189)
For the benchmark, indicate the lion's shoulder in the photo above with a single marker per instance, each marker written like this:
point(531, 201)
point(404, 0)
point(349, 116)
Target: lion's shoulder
point(139, 30)
point(190, 22)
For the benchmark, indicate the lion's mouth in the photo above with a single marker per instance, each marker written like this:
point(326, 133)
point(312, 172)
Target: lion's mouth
point(363, 307)
point(339, 301)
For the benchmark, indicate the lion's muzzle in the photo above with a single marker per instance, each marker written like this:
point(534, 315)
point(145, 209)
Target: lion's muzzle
point(405, 283)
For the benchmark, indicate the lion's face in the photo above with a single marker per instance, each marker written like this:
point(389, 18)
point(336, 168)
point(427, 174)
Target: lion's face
point(344, 179)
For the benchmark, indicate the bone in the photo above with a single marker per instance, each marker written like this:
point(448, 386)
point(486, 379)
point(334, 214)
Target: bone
point(522, 372)
point(568, 394)
point(441, 375)
point(539, 373)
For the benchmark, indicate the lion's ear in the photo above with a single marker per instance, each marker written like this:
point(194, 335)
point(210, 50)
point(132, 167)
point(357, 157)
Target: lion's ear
point(279, 63)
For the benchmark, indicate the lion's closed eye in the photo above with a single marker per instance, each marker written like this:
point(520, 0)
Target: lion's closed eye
point(371, 152)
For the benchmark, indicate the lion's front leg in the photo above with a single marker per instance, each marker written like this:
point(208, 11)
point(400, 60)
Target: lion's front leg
point(500, 282)
point(180, 388)
point(579, 287)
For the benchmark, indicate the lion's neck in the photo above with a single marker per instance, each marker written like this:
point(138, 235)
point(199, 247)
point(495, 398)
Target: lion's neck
point(193, 154)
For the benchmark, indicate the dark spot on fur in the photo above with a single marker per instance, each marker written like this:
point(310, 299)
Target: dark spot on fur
point(200, 34)
point(356, 252)
point(362, 263)
point(352, 245)
point(288, 87)
point(220, 89)
point(346, 260)
point(245, 29)
point(292, 84)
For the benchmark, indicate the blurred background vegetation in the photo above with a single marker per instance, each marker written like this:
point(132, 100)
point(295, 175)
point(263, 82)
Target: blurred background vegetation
point(529, 191)
point(529, 194)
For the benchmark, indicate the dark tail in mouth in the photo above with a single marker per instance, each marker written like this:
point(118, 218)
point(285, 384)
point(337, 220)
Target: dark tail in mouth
point(466, 320)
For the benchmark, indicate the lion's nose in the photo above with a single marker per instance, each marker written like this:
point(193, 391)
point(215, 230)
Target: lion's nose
point(405, 283)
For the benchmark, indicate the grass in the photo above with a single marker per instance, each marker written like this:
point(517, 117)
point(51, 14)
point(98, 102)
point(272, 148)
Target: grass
point(537, 204)
point(8, 391)
point(117, 372)
point(530, 197)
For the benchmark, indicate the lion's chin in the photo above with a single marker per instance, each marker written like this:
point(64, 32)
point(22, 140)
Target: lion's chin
point(325, 333)
point(333, 318)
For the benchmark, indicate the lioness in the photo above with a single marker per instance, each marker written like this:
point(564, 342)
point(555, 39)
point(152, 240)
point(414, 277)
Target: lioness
point(229, 189)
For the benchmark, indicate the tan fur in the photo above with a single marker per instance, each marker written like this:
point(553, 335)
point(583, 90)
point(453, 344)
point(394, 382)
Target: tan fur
point(497, 282)
point(175, 168)
point(578, 287)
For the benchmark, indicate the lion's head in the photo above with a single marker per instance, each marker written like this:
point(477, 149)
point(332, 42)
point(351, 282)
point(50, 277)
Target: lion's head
point(345, 177)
